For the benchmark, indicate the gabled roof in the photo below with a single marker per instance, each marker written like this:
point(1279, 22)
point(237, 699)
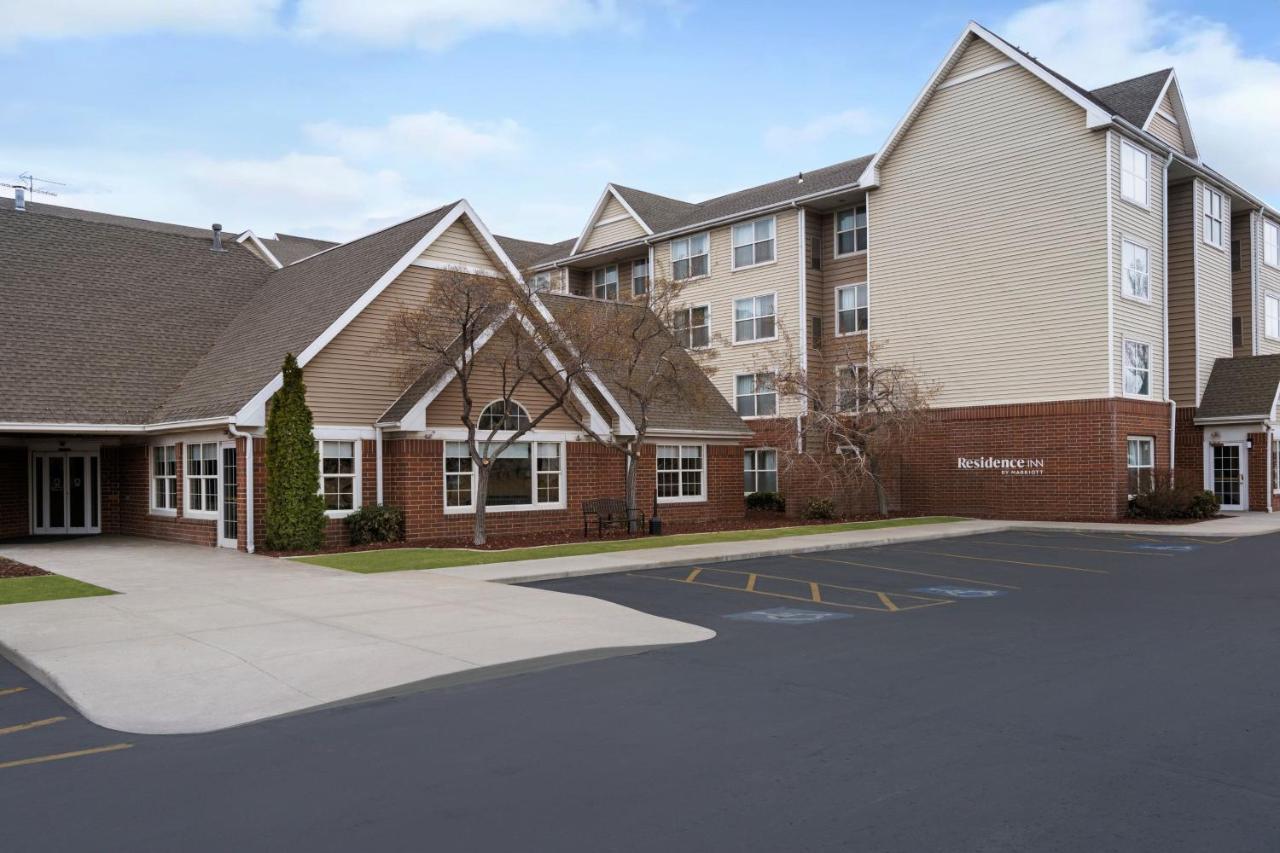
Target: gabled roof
point(659, 212)
point(1241, 388)
point(610, 194)
point(289, 248)
point(1134, 100)
point(528, 253)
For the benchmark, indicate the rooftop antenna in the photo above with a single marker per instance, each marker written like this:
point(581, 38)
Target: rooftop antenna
point(29, 186)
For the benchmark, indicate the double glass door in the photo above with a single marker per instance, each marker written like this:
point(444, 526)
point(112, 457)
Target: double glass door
point(65, 492)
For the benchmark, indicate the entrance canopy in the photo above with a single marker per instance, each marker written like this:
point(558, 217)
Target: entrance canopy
point(1241, 391)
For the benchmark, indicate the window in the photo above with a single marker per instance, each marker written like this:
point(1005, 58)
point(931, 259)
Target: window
point(202, 479)
point(504, 415)
point(693, 327)
point(1136, 276)
point(690, 257)
point(754, 319)
point(851, 231)
point(541, 281)
point(815, 252)
point(851, 309)
point(525, 474)
point(1271, 243)
point(338, 475)
point(164, 477)
point(1213, 223)
point(681, 473)
point(1142, 465)
point(756, 395)
point(605, 282)
point(1237, 261)
point(1137, 369)
point(1133, 174)
point(759, 471)
point(1271, 312)
point(753, 242)
point(639, 278)
point(1237, 331)
point(851, 392)
point(1275, 461)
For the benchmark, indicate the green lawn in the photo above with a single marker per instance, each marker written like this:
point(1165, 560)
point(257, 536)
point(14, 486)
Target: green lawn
point(403, 559)
point(46, 588)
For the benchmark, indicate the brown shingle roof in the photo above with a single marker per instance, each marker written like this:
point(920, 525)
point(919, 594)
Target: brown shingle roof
point(1134, 99)
point(527, 253)
point(1241, 387)
point(289, 248)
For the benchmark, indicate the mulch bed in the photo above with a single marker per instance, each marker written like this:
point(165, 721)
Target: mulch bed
point(14, 569)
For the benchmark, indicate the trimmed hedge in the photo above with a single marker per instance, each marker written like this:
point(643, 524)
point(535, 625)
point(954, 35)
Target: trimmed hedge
point(1165, 499)
point(376, 523)
point(819, 509)
point(771, 501)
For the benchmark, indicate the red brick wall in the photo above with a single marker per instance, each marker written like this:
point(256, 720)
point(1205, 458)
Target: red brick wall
point(1259, 479)
point(15, 518)
point(128, 510)
point(1189, 464)
point(799, 482)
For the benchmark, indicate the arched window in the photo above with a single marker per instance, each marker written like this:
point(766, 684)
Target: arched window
point(504, 415)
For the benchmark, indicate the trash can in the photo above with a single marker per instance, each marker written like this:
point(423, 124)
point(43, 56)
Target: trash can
point(655, 527)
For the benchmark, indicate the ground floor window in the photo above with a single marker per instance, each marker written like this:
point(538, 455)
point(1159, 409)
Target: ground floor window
point(681, 472)
point(1142, 465)
point(202, 478)
point(338, 475)
point(527, 473)
point(1275, 462)
point(164, 477)
point(759, 470)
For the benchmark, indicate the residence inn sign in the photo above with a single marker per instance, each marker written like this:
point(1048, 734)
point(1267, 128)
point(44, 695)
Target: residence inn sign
point(1013, 467)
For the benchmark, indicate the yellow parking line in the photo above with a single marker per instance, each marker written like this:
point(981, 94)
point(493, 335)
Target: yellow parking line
point(888, 604)
point(774, 594)
point(814, 593)
point(11, 690)
point(751, 582)
point(693, 574)
point(42, 759)
point(1212, 541)
point(1011, 562)
point(1072, 548)
point(22, 727)
point(904, 571)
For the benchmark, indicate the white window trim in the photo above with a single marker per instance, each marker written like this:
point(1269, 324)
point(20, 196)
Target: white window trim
point(647, 277)
point(1150, 440)
point(1268, 225)
point(698, 499)
point(1151, 374)
point(1145, 204)
point(835, 320)
point(1124, 273)
point(734, 318)
point(617, 282)
point(671, 256)
point(856, 370)
point(152, 509)
point(357, 485)
point(187, 511)
point(753, 374)
point(733, 247)
point(1270, 294)
point(531, 438)
point(1275, 466)
point(688, 310)
point(835, 232)
point(757, 471)
point(1205, 218)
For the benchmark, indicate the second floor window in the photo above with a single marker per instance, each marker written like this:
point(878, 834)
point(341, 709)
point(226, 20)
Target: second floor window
point(1272, 314)
point(693, 327)
point(1271, 243)
point(605, 282)
point(1136, 263)
point(754, 319)
point(541, 282)
point(851, 309)
point(851, 390)
point(851, 230)
point(755, 395)
point(1213, 219)
point(639, 278)
point(1137, 369)
point(1133, 174)
point(753, 242)
point(690, 257)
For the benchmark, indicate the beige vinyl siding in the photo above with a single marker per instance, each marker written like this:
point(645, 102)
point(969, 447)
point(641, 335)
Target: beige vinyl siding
point(353, 379)
point(836, 273)
point(989, 235)
point(625, 228)
point(1165, 130)
point(1182, 295)
point(1268, 282)
point(978, 55)
point(1135, 320)
point(460, 245)
point(579, 282)
point(1244, 228)
point(814, 288)
point(1213, 280)
point(486, 386)
point(723, 285)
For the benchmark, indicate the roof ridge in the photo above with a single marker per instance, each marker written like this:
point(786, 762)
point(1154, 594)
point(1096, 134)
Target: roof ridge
point(355, 240)
point(785, 177)
point(1163, 71)
point(206, 237)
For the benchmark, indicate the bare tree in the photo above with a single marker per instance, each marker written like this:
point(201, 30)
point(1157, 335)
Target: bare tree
point(652, 353)
point(859, 413)
point(496, 342)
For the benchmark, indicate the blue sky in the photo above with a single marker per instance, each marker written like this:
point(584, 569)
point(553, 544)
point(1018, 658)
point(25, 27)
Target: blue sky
point(332, 118)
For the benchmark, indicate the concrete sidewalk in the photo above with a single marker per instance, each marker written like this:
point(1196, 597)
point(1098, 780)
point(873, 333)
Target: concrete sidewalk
point(203, 638)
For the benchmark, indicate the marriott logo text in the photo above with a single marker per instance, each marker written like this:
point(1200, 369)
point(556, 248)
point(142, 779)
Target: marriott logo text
point(1004, 466)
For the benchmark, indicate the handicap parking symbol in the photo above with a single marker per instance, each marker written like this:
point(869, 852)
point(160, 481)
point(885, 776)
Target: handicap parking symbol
point(787, 616)
point(1166, 547)
point(960, 592)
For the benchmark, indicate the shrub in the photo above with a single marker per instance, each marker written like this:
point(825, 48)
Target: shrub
point(295, 509)
point(376, 523)
point(819, 509)
point(1204, 505)
point(766, 500)
point(1166, 499)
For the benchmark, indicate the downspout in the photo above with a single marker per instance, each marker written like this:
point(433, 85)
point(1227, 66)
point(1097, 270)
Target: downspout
point(377, 446)
point(1111, 281)
point(248, 484)
point(1254, 233)
point(1164, 258)
point(804, 321)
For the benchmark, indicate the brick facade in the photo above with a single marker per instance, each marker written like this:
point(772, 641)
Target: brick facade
point(126, 492)
point(1189, 462)
point(15, 518)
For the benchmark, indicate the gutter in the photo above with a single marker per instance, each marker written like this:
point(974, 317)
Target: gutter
point(167, 426)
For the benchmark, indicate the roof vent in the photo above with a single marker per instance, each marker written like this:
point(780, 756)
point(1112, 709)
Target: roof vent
point(217, 238)
point(19, 199)
point(800, 178)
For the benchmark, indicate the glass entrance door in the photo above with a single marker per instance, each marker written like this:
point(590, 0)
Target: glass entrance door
point(65, 492)
point(228, 505)
point(1229, 475)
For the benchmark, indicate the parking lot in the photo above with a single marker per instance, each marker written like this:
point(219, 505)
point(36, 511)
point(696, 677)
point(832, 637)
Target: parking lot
point(1020, 691)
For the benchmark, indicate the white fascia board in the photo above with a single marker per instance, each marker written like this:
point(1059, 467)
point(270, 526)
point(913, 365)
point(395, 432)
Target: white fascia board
point(593, 220)
point(167, 426)
point(253, 238)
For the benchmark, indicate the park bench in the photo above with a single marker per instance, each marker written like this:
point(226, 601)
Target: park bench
point(609, 512)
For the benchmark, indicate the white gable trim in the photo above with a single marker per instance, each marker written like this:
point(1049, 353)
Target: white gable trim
point(975, 74)
point(1179, 116)
point(253, 413)
point(594, 219)
point(1095, 116)
point(264, 252)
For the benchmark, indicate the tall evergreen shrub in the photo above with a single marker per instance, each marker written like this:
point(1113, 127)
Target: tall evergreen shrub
point(295, 509)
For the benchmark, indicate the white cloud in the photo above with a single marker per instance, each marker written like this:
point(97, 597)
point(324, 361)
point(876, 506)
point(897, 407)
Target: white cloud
point(55, 19)
point(433, 136)
point(1231, 95)
point(437, 24)
point(854, 124)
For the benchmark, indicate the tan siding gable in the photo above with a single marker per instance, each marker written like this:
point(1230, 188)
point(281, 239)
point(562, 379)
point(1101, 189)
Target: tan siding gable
point(988, 246)
point(606, 232)
point(1136, 320)
point(460, 245)
point(1167, 132)
point(485, 386)
point(979, 54)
